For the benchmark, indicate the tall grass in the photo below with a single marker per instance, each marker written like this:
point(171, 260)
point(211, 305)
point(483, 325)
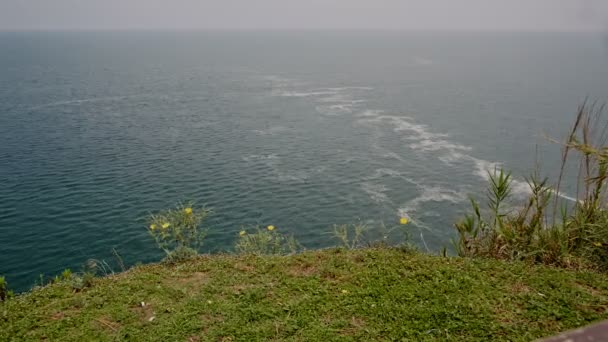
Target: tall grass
point(266, 241)
point(545, 229)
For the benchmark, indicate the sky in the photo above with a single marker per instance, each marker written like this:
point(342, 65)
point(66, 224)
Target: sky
point(407, 15)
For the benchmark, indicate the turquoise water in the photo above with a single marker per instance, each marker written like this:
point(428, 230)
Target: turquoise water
point(298, 130)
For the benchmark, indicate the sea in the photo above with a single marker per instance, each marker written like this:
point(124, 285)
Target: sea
point(301, 130)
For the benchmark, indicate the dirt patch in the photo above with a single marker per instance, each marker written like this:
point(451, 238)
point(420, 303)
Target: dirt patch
point(190, 282)
point(520, 288)
point(107, 324)
point(57, 316)
point(357, 322)
point(145, 312)
point(326, 319)
point(196, 278)
point(590, 290)
point(358, 258)
point(302, 270)
point(505, 317)
point(355, 325)
point(329, 275)
point(210, 320)
point(239, 289)
point(244, 267)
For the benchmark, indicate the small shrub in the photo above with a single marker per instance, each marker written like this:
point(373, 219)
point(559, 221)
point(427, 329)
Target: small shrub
point(66, 274)
point(180, 254)
point(177, 231)
point(266, 241)
point(91, 269)
point(5, 293)
point(79, 282)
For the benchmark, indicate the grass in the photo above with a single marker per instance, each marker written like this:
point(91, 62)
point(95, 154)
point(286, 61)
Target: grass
point(337, 294)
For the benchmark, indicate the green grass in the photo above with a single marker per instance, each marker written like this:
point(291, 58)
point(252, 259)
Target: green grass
point(364, 294)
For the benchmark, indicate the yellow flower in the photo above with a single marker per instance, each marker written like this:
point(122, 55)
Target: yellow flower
point(166, 225)
point(345, 291)
point(242, 233)
point(152, 226)
point(188, 211)
point(403, 220)
point(598, 244)
point(271, 227)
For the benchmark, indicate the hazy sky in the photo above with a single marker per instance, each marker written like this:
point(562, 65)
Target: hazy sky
point(523, 15)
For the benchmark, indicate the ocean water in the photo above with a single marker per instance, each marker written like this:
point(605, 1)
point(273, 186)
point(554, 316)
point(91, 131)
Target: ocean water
point(298, 130)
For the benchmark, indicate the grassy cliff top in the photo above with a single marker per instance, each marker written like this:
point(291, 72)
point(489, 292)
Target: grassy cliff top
point(319, 295)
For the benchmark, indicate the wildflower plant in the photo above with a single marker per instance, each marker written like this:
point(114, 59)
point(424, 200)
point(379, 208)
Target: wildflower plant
point(178, 231)
point(265, 241)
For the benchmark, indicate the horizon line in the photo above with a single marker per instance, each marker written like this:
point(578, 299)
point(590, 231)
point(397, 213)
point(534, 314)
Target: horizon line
point(296, 30)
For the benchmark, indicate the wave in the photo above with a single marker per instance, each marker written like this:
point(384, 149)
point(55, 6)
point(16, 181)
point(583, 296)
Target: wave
point(265, 158)
point(425, 140)
point(378, 173)
point(370, 113)
point(451, 152)
point(306, 94)
point(330, 100)
point(432, 194)
point(272, 130)
point(349, 88)
point(341, 100)
point(376, 191)
point(79, 101)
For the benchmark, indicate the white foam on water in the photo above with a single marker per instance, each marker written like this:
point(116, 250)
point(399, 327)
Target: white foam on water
point(330, 101)
point(425, 140)
point(375, 191)
point(348, 88)
point(519, 188)
point(340, 100)
point(337, 97)
point(369, 113)
point(392, 155)
point(482, 167)
point(429, 145)
point(306, 94)
point(294, 176)
point(378, 173)
point(451, 158)
point(81, 101)
point(268, 160)
point(432, 194)
point(272, 130)
point(256, 157)
point(272, 162)
point(333, 110)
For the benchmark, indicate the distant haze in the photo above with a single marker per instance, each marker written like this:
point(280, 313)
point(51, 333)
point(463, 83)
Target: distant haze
point(435, 15)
